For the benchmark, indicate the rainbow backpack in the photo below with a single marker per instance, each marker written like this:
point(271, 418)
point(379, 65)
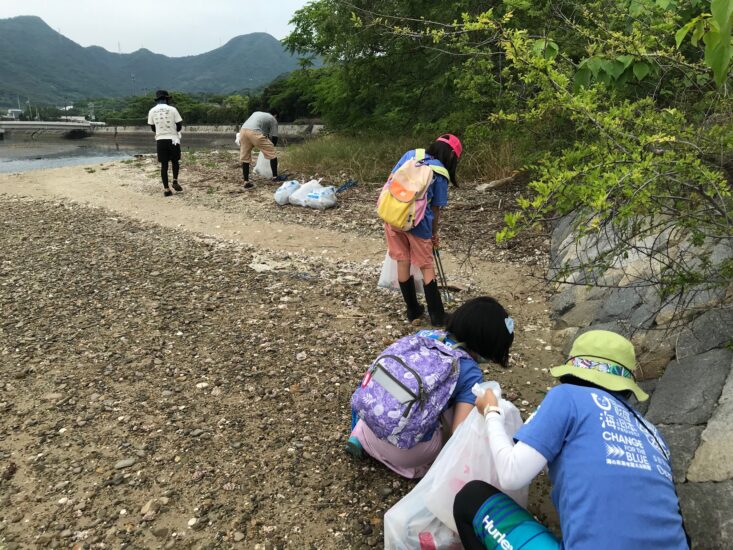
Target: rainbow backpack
point(402, 202)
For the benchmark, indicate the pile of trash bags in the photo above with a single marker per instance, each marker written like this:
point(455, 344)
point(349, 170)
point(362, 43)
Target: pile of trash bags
point(311, 194)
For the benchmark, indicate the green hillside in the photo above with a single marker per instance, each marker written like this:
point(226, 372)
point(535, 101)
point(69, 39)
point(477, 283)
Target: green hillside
point(56, 70)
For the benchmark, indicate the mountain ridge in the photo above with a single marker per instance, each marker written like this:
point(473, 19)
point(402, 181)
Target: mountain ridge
point(57, 70)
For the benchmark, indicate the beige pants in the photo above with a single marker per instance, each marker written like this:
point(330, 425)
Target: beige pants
point(251, 138)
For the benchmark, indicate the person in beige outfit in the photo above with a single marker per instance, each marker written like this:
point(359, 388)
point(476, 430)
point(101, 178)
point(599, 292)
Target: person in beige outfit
point(259, 130)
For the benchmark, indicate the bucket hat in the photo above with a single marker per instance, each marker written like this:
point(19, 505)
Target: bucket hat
point(605, 359)
point(453, 141)
point(162, 94)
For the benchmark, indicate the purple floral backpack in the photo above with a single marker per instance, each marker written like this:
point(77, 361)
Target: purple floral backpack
point(406, 389)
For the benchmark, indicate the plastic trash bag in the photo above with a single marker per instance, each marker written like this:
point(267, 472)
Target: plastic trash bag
point(388, 276)
point(282, 195)
point(262, 167)
point(298, 196)
point(236, 139)
point(428, 508)
point(408, 525)
point(322, 198)
point(466, 457)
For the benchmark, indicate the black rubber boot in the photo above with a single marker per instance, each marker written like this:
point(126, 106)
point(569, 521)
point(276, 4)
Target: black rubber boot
point(435, 304)
point(273, 167)
point(414, 309)
point(245, 171)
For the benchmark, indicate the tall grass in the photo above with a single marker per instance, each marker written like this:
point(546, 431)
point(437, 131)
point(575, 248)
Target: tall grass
point(369, 158)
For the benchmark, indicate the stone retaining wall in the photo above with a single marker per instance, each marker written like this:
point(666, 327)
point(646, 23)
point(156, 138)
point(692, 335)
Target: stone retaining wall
point(687, 366)
point(285, 130)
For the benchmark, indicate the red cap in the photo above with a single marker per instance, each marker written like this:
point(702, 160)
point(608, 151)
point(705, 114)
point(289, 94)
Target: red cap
point(453, 141)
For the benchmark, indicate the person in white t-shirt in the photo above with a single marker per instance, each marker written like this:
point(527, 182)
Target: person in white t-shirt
point(166, 122)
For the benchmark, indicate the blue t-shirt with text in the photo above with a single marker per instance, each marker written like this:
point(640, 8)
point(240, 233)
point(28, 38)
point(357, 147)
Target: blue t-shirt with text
point(437, 195)
point(611, 478)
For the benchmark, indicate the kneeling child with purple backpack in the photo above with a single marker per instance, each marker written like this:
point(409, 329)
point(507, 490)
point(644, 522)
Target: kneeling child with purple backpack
point(423, 382)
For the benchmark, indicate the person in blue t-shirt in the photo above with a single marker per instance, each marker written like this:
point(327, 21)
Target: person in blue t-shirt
point(482, 328)
point(416, 245)
point(610, 468)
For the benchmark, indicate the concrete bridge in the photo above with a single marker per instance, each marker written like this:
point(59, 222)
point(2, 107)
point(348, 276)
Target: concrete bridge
point(72, 129)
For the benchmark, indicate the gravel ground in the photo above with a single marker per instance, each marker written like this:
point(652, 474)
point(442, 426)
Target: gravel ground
point(165, 389)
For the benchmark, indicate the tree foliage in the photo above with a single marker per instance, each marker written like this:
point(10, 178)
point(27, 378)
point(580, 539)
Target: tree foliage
point(625, 101)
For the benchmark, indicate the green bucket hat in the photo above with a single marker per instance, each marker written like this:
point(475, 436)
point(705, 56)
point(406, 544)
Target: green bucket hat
point(603, 358)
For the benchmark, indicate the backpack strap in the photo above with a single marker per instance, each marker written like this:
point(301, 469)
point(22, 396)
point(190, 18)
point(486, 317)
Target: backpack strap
point(443, 337)
point(420, 155)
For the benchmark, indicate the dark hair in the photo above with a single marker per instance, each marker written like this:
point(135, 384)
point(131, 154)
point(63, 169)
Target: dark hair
point(570, 379)
point(447, 156)
point(480, 325)
point(275, 112)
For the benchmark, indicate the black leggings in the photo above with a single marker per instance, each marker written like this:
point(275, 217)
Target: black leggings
point(487, 518)
point(164, 171)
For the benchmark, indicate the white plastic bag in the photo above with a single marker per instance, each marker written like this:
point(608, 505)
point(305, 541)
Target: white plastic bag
point(388, 276)
point(466, 457)
point(236, 139)
point(408, 525)
point(298, 196)
point(429, 506)
point(262, 167)
point(322, 198)
point(282, 195)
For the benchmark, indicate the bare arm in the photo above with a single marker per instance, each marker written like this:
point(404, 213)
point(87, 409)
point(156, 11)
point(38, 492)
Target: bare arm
point(436, 219)
point(460, 413)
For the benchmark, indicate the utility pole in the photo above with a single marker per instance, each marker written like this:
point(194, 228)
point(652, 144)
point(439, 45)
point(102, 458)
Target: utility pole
point(132, 76)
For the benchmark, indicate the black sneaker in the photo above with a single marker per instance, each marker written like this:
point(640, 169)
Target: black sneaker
point(167, 193)
point(249, 185)
point(176, 186)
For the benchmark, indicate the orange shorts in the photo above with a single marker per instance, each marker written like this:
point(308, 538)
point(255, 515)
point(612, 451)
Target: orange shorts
point(403, 246)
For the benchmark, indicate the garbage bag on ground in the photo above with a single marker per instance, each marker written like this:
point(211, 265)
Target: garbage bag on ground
point(298, 196)
point(465, 457)
point(408, 525)
point(282, 195)
point(262, 167)
point(388, 276)
point(322, 198)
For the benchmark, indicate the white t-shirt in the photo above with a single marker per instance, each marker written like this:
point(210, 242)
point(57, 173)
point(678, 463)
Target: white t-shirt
point(164, 117)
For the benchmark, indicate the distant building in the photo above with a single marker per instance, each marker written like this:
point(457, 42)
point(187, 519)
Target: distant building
point(14, 113)
point(73, 119)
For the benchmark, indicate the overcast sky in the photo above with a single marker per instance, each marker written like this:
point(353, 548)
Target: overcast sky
point(175, 28)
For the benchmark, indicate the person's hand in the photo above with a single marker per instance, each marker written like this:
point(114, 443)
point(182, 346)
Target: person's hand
point(436, 240)
point(488, 399)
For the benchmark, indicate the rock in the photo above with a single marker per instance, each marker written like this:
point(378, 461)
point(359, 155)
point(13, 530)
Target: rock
point(706, 508)
point(238, 536)
point(714, 458)
point(690, 388)
point(125, 463)
point(582, 315)
point(52, 396)
point(564, 301)
point(682, 441)
point(711, 330)
point(65, 534)
point(149, 506)
point(161, 532)
point(620, 302)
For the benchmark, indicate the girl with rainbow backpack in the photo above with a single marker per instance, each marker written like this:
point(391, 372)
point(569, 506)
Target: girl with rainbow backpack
point(410, 204)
